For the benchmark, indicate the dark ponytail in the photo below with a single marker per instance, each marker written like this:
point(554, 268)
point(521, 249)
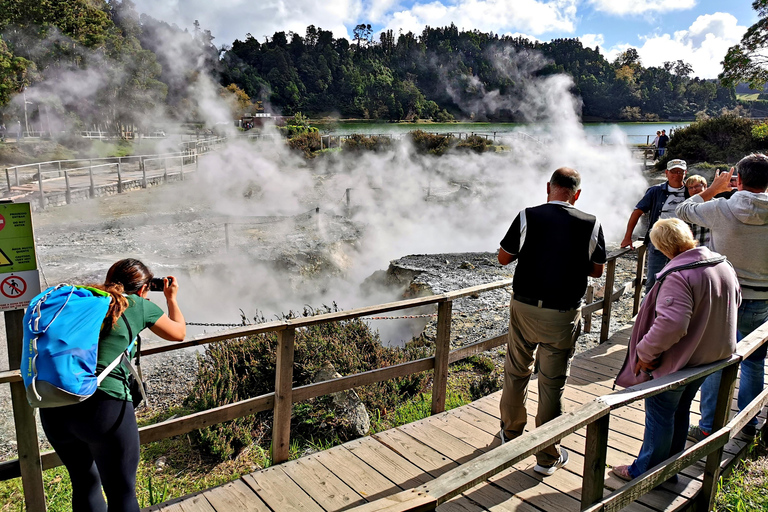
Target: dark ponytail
point(124, 277)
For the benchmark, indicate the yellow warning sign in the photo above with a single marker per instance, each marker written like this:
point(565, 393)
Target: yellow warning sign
point(17, 241)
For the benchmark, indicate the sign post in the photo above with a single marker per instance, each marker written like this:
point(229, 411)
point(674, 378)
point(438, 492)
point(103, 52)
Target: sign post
point(19, 283)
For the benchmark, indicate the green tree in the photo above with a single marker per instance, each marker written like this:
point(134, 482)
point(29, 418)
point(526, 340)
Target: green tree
point(747, 61)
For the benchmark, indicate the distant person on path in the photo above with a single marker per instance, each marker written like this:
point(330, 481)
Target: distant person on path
point(656, 146)
point(739, 228)
point(556, 247)
point(97, 439)
point(18, 131)
point(687, 319)
point(659, 202)
point(663, 141)
point(696, 184)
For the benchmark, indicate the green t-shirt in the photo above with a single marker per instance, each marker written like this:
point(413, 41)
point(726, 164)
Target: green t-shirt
point(140, 313)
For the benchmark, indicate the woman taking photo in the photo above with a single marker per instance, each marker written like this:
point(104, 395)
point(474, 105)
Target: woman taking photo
point(687, 319)
point(97, 439)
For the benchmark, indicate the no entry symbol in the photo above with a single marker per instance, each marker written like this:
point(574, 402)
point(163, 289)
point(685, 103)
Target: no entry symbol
point(2, 222)
point(13, 286)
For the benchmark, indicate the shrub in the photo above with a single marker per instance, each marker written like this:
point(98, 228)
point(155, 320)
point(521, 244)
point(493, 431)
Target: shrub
point(474, 143)
point(236, 370)
point(719, 139)
point(308, 142)
point(357, 142)
point(434, 144)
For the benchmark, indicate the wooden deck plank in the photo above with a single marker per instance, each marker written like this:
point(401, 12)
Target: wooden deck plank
point(428, 459)
point(280, 492)
point(235, 496)
point(361, 477)
point(460, 504)
point(442, 441)
point(388, 463)
point(495, 499)
point(327, 489)
point(196, 503)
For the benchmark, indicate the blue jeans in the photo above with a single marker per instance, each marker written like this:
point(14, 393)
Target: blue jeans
point(656, 262)
point(667, 417)
point(752, 314)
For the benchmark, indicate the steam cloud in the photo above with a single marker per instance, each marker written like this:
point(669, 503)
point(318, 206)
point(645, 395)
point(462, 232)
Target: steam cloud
point(472, 200)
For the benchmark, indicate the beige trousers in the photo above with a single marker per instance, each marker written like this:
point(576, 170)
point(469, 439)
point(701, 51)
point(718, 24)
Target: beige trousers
point(554, 333)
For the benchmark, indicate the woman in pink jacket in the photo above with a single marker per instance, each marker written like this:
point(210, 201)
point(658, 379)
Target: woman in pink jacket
point(687, 319)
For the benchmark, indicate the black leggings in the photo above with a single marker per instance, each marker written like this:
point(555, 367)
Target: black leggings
point(98, 442)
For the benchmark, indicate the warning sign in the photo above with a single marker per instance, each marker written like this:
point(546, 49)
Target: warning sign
point(18, 289)
point(13, 287)
point(17, 241)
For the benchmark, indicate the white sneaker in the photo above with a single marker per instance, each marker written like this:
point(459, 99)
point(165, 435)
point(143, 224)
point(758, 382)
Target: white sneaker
point(502, 436)
point(548, 470)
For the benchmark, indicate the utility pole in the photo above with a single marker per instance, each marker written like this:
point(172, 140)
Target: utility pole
point(26, 120)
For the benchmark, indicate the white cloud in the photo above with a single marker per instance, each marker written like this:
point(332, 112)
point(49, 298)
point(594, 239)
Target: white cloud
point(534, 16)
point(592, 40)
point(703, 45)
point(625, 7)
point(232, 19)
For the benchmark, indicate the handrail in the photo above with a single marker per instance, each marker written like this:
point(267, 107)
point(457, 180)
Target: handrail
point(466, 476)
point(280, 401)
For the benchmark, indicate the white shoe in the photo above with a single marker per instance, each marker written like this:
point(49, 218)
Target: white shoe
point(549, 470)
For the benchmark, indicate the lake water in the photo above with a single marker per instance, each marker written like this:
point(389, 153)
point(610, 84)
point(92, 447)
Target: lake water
point(636, 133)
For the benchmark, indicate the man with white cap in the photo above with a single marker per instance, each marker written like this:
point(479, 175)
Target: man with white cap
point(659, 202)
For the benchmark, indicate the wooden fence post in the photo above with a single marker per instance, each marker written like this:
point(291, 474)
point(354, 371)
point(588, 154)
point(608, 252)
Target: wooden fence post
point(181, 167)
point(143, 168)
point(589, 298)
point(722, 412)
point(165, 170)
point(641, 254)
point(59, 162)
point(594, 461)
point(40, 183)
point(8, 178)
point(442, 350)
point(610, 277)
point(119, 180)
point(68, 193)
point(24, 420)
point(281, 420)
point(92, 189)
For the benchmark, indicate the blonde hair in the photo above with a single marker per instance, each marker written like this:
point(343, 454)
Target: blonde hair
point(672, 237)
point(696, 178)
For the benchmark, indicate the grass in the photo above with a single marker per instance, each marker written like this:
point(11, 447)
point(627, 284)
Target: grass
point(747, 97)
point(746, 487)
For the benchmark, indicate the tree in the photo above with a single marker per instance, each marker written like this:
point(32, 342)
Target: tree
point(747, 61)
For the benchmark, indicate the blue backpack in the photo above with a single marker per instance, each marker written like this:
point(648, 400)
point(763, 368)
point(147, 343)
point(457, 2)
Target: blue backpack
point(62, 326)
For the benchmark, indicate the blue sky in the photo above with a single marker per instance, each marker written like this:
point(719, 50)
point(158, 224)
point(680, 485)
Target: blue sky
point(696, 31)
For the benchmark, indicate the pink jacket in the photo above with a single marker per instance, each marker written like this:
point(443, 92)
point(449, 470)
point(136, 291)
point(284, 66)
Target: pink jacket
point(687, 319)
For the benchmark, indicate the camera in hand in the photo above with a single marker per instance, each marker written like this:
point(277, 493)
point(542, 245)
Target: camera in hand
point(157, 284)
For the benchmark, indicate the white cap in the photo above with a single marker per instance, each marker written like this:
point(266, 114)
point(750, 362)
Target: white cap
point(677, 164)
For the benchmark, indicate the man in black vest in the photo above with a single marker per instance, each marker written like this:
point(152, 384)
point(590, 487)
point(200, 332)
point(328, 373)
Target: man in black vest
point(556, 247)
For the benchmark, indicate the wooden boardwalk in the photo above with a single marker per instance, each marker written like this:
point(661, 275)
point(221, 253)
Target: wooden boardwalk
point(373, 467)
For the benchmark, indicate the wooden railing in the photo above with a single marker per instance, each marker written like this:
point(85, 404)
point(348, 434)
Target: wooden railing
point(595, 415)
point(31, 463)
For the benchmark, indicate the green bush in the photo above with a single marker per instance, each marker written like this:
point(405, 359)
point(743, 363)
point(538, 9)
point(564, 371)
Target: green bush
point(357, 142)
point(308, 142)
point(719, 139)
point(474, 143)
point(245, 368)
point(432, 143)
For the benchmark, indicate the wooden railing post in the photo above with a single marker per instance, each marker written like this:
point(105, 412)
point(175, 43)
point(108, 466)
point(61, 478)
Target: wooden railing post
point(588, 299)
point(442, 350)
point(610, 277)
point(181, 167)
point(143, 167)
point(24, 420)
point(8, 178)
point(165, 170)
point(68, 193)
point(722, 412)
point(119, 180)
point(281, 421)
point(40, 183)
point(641, 254)
point(594, 461)
point(92, 189)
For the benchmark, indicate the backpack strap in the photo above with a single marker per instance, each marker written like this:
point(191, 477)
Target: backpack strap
point(125, 359)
